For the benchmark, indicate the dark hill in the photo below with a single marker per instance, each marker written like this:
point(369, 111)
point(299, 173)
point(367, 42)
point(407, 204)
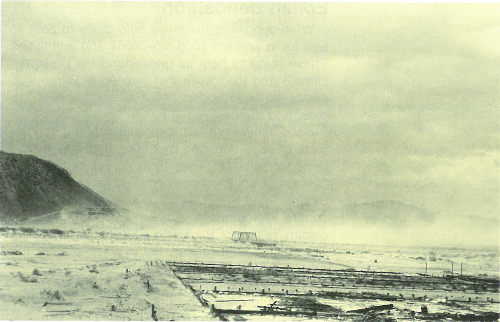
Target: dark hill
point(31, 187)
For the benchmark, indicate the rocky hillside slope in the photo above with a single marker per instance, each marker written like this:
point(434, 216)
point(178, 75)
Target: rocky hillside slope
point(31, 187)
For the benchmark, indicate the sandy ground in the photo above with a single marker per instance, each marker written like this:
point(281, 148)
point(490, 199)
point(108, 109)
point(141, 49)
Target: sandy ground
point(83, 275)
point(83, 279)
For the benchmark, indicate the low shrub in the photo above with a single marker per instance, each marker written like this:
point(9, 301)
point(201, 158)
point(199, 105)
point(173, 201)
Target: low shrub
point(27, 230)
point(12, 252)
point(56, 231)
point(52, 295)
point(27, 279)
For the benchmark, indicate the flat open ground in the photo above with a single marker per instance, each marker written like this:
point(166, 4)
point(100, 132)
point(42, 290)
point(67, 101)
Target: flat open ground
point(103, 276)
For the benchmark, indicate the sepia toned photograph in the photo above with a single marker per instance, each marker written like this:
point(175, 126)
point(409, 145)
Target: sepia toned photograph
point(260, 161)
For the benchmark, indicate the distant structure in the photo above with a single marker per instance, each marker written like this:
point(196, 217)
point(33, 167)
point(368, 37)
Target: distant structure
point(244, 236)
point(100, 211)
point(249, 237)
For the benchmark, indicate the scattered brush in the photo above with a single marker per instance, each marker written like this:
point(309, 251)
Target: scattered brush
point(27, 230)
point(56, 231)
point(40, 254)
point(27, 279)
point(12, 252)
point(144, 277)
point(52, 295)
point(36, 272)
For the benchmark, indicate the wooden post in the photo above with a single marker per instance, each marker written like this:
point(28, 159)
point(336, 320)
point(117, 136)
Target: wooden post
point(425, 268)
point(153, 312)
point(461, 266)
point(451, 267)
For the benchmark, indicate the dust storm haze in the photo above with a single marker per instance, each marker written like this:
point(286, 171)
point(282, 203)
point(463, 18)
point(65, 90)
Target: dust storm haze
point(276, 118)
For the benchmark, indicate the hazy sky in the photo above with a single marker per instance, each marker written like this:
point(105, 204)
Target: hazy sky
point(260, 103)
